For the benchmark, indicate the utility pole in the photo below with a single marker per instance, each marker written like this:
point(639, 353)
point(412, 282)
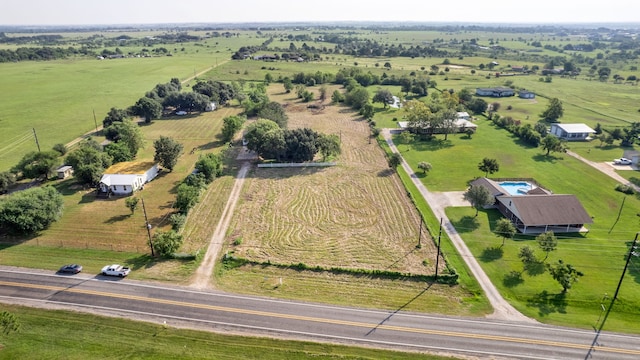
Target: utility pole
point(95, 121)
point(419, 246)
point(148, 226)
point(36, 137)
point(632, 252)
point(438, 251)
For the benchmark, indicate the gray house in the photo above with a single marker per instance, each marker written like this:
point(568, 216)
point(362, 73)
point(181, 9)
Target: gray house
point(495, 92)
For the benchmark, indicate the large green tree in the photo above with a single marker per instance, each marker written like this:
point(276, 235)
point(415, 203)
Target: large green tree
point(115, 115)
point(329, 145)
point(230, 126)
point(7, 179)
point(167, 152)
point(275, 112)
point(565, 274)
point(551, 143)
point(147, 108)
point(165, 243)
point(383, 96)
point(128, 133)
point(554, 110)
point(479, 196)
point(547, 242)
point(31, 210)
point(37, 164)
point(477, 105)
point(505, 229)
point(88, 162)
point(489, 166)
point(394, 160)
point(209, 165)
point(255, 134)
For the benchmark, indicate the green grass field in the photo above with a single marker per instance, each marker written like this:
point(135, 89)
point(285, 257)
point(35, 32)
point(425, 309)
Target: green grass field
point(72, 335)
point(600, 254)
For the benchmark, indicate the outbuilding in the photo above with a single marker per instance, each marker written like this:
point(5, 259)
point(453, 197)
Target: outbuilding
point(64, 171)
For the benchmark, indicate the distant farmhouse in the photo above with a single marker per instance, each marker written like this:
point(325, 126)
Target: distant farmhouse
point(126, 177)
point(534, 210)
point(495, 92)
point(572, 132)
point(461, 125)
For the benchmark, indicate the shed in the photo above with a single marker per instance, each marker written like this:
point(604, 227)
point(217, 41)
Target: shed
point(524, 94)
point(64, 171)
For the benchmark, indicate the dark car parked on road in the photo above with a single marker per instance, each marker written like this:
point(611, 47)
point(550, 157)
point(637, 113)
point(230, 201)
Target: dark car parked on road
point(70, 269)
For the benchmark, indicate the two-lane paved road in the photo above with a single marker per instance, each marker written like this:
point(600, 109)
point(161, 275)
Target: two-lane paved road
point(221, 312)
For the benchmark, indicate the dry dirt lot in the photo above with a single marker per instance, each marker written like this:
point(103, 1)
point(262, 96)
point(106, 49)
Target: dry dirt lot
point(353, 215)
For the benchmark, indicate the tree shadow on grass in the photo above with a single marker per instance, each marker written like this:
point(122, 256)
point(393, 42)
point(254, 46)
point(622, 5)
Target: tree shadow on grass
point(512, 279)
point(547, 303)
point(431, 145)
point(117, 218)
point(386, 172)
point(466, 224)
point(546, 158)
point(142, 262)
point(491, 254)
point(535, 269)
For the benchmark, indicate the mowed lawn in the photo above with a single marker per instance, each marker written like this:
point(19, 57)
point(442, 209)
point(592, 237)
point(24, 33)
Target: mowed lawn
point(600, 254)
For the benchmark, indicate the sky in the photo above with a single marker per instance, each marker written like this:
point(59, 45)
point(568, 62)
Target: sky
point(131, 12)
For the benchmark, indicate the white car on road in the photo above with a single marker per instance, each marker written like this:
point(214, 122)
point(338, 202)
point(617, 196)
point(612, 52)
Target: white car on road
point(622, 161)
point(115, 270)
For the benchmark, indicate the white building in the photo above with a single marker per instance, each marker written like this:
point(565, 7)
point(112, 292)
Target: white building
point(126, 177)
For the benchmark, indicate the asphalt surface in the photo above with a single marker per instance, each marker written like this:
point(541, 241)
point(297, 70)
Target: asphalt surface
point(228, 313)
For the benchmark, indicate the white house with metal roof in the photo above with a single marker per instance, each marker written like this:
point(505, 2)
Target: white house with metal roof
point(572, 132)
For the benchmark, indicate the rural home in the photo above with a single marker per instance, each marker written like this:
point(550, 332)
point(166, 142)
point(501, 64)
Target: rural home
point(460, 124)
point(524, 94)
point(572, 132)
point(126, 177)
point(64, 171)
point(495, 92)
point(534, 210)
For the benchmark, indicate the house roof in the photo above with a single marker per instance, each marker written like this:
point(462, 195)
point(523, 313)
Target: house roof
point(64, 168)
point(117, 179)
point(491, 185)
point(130, 167)
point(459, 123)
point(540, 210)
point(575, 128)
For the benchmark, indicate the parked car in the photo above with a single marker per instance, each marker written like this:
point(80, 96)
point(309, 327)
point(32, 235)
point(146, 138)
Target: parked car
point(70, 269)
point(622, 161)
point(115, 270)
point(181, 113)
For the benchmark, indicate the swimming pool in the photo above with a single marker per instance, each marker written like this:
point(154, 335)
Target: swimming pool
point(517, 187)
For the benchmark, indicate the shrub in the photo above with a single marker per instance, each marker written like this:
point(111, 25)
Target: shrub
point(626, 189)
point(177, 221)
point(166, 243)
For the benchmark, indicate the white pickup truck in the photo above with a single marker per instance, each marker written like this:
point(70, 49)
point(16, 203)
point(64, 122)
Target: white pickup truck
point(115, 270)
